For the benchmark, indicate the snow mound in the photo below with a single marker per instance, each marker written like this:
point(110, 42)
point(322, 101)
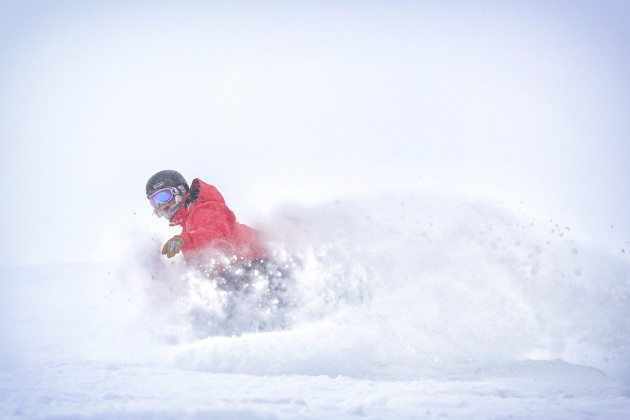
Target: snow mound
point(396, 307)
point(405, 286)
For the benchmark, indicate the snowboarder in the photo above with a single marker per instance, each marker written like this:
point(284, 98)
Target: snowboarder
point(208, 225)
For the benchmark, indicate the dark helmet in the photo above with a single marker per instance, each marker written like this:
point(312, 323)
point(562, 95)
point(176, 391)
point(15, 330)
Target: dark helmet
point(166, 179)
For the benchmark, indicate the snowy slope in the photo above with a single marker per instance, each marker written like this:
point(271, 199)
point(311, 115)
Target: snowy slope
point(402, 306)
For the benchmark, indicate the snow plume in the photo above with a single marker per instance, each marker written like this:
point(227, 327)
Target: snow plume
point(403, 287)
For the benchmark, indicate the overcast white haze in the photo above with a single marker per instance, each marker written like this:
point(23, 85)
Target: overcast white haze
point(308, 101)
point(467, 153)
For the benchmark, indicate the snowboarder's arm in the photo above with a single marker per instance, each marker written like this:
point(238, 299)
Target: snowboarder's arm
point(203, 227)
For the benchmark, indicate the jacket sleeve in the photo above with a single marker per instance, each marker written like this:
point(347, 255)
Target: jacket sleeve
point(206, 224)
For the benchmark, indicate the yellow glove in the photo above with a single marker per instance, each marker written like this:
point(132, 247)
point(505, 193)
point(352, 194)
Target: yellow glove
point(172, 246)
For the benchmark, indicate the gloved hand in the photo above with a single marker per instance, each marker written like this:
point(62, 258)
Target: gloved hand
point(172, 246)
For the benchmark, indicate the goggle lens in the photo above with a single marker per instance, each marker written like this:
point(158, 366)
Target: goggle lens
point(162, 196)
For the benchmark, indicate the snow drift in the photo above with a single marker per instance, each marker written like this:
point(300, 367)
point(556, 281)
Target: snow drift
point(404, 286)
point(395, 304)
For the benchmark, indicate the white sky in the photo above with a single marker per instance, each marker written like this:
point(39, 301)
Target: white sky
point(276, 102)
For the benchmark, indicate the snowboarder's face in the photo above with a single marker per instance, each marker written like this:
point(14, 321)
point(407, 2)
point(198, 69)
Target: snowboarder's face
point(165, 202)
point(168, 209)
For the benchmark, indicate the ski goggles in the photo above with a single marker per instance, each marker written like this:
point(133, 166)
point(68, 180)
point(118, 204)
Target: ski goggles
point(162, 196)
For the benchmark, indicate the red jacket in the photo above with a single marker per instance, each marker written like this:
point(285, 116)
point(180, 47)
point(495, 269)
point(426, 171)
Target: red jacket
point(209, 224)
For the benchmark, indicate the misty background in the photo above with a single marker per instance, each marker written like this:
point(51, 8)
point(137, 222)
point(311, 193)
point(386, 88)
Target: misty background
point(522, 103)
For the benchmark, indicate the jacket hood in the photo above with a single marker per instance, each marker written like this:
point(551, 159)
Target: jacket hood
point(200, 192)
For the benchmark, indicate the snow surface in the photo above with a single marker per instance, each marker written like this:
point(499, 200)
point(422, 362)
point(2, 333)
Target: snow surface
point(402, 306)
